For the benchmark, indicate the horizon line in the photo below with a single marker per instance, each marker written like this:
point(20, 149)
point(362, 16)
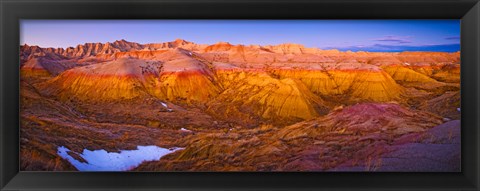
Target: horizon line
point(340, 49)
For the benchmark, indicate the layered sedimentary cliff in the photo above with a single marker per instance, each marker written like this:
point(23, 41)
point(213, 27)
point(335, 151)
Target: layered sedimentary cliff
point(353, 81)
point(254, 82)
point(236, 107)
point(256, 93)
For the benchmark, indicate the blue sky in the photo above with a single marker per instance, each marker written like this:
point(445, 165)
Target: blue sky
point(355, 35)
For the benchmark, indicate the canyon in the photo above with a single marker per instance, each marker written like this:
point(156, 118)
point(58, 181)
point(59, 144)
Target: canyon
point(239, 107)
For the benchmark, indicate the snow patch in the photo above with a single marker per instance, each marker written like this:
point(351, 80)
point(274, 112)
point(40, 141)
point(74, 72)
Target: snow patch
point(101, 160)
point(185, 130)
point(164, 105)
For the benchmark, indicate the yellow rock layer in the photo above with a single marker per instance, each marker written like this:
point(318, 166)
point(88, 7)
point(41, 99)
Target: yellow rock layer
point(317, 81)
point(447, 76)
point(129, 79)
point(360, 85)
point(93, 88)
point(403, 74)
point(259, 93)
point(449, 73)
point(412, 78)
point(27, 72)
point(184, 86)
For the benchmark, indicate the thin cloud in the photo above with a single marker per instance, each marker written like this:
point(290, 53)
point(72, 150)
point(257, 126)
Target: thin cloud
point(452, 38)
point(400, 48)
point(396, 39)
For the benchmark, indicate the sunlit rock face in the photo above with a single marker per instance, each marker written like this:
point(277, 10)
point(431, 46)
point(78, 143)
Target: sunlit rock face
point(119, 79)
point(360, 82)
point(288, 81)
point(256, 93)
point(448, 73)
point(258, 108)
point(125, 79)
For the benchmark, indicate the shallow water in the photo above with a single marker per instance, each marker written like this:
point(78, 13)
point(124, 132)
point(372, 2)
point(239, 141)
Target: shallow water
point(101, 160)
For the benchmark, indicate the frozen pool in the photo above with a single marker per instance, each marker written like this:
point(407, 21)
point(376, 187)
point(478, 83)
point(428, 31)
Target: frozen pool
point(101, 160)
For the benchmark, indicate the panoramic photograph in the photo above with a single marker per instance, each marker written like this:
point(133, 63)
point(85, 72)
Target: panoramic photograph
point(240, 95)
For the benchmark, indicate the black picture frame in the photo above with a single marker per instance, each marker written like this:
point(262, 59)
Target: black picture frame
point(13, 10)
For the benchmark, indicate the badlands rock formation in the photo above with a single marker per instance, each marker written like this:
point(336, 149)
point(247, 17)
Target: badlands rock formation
point(347, 135)
point(360, 82)
point(255, 93)
point(273, 107)
point(170, 76)
point(42, 67)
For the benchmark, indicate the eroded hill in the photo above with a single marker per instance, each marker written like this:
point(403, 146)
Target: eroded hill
point(245, 105)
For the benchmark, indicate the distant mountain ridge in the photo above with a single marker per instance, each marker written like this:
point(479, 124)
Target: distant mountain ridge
point(93, 49)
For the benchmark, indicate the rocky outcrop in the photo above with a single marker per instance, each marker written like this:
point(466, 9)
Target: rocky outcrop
point(41, 67)
point(116, 80)
point(253, 108)
point(177, 43)
point(257, 94)
point(411, 78)
point(85, 50)
point(288, 49)
point(350, 135)
point(363, 118)
point(287, 80)
point(446, 105)
point(348, 82)
point(102, 49)
point(436, 150)
point(183, 80)
point(448, 73)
